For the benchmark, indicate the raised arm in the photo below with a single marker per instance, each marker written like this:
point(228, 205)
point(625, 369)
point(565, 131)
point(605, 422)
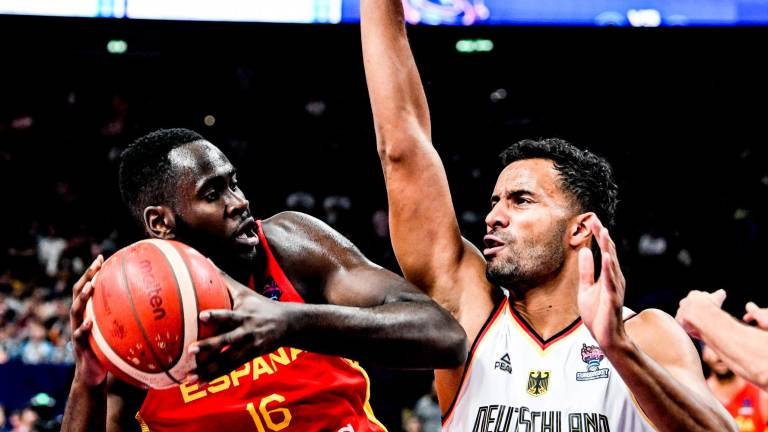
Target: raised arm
point(425, 232)
point(651, 353)
point(743, 348)
point(363, 311)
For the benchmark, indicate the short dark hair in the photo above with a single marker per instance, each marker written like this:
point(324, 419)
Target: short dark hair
point(146, 172)
point(588, 178)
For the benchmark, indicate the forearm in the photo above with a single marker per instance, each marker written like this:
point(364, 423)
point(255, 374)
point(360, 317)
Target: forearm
point(397, 96)
point(669, 405)
point(86, 408)
point(400, 334)
point(743, 348)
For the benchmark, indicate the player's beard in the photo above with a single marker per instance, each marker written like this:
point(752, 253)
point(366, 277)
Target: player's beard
point(725, 375)
point(526, 263)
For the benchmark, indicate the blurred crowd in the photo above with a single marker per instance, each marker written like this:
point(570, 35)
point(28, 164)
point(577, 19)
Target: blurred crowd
point(303, 144)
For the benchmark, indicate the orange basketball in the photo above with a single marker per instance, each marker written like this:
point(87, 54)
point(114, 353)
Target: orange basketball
point(145, 307)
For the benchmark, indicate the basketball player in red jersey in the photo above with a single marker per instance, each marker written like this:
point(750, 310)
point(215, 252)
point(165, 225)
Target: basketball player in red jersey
point(318, 303)
point(746, 402)
point(542, 222)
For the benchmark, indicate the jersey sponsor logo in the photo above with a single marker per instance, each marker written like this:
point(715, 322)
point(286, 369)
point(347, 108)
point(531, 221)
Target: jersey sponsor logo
point(538, 382)
point(592, 356)
point(271, 290)
point(503, 418)
point(504, 363)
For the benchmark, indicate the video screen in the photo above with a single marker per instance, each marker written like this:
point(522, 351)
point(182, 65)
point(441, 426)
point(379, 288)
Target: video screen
point(635, 13)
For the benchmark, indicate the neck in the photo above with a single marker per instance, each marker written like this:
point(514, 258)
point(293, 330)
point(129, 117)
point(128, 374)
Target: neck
point(241, 269)
point(550, 306)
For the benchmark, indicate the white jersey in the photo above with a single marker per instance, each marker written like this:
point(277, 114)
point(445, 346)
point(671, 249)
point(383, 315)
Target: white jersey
point(516, 382)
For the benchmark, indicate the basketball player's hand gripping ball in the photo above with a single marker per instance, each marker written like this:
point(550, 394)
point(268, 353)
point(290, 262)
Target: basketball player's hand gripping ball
point(88, 367)
point(145, 306)
point(255, 326)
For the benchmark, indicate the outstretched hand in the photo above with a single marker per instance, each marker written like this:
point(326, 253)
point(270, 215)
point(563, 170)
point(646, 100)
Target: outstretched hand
point(255, 326)
point(87, 366)
point(757, 314)
point(698, 305)
point(601, 302)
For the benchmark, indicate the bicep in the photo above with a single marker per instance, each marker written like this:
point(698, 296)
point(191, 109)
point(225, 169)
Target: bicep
point(676, 355)
point(123, 403)
point(330, 269)
point(329, 266)
point(366, 284)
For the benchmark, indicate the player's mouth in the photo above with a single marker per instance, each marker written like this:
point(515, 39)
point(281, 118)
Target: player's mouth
point(493, 245)
point(245, 235)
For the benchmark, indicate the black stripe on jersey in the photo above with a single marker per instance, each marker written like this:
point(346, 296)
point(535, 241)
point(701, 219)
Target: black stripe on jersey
point(530, 329)
point(471, 355)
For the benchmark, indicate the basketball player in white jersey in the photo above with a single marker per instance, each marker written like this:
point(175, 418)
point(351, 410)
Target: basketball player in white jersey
point(553, 349)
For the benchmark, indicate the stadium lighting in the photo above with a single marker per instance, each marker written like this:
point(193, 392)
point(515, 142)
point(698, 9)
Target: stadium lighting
point(474, 45)
point(117, 46)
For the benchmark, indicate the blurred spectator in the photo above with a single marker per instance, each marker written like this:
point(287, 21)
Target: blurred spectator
point(428, 412)
point(411, 423)
point(744, 401)
point(42, 406)
point(36, 348)
point(36, 416)
point(336, 209)
point(115, 124)
point(301, 201)
point(652, 244)
point(376, 243)
point(2, 418)
point(22, 253)
point(49, 249)
point(23, 421)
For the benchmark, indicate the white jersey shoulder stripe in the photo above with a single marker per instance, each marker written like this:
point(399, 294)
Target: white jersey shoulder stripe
point(493, 318)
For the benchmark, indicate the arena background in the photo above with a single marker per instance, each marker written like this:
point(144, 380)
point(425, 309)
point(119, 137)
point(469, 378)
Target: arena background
point(680, 112)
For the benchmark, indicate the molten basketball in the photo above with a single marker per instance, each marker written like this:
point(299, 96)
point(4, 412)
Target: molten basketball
point(145, 307)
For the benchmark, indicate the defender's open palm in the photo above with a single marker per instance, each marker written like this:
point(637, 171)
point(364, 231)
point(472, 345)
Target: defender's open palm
point(601, 302)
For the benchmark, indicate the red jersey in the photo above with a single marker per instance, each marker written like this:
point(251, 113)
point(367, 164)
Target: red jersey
point(288, 390)
point(745, 409)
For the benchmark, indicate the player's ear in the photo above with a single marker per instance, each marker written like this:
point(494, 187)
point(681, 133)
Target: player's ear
point(580, 230)
point(159, 222)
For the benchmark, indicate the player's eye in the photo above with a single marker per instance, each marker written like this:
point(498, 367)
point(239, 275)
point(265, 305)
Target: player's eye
point(212, 196)
point(521, 200)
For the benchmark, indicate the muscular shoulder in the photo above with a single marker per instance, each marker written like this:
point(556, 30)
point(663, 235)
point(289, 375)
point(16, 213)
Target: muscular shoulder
point(650, 320)
point(309, 251)
point(299, 236)
point(659, 335)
